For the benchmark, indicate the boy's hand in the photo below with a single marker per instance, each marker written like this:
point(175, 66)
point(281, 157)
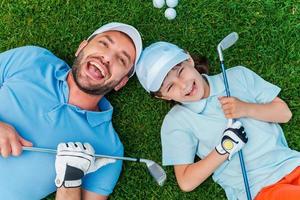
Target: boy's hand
point(233, 107)
point(234, 139)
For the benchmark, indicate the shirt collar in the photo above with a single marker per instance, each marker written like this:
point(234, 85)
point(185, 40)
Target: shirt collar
point(62, 73)
point(96, 118)
point(216, 88)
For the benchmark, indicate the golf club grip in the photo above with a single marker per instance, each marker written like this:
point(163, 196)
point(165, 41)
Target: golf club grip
point(52, 151)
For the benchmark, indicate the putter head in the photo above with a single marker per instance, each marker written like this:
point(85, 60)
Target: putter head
point(227, 42)
point(156, 171)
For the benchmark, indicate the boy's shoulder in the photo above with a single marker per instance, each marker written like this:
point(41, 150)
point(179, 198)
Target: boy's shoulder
point(177, 114)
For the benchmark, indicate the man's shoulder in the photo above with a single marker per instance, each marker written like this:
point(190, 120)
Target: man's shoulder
point(31, 49)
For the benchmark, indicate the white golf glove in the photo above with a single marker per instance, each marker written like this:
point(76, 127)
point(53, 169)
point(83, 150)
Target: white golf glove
point(73, 161)
point(234, 138)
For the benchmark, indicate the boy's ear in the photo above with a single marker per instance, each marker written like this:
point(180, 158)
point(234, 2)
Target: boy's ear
point(190, 59)
point(81, 46)
point(162, 97)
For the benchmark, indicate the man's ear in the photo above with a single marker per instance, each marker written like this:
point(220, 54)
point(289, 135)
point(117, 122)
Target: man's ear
point(122, 83)
point(81, 46)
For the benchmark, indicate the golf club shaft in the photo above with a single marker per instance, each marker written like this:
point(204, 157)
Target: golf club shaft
point(241, 157)
point(52, 151)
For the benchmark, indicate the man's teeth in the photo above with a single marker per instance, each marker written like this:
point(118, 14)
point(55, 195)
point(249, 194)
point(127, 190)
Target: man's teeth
point(98, 67)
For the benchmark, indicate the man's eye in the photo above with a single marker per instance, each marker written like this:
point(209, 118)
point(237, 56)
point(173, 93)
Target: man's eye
point(122, 61)
point(103, 43)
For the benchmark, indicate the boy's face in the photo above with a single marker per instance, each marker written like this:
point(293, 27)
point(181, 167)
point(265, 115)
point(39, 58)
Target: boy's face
point(103, 63)
point(183, 83)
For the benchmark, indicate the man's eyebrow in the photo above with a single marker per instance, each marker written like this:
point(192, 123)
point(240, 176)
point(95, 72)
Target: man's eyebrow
point(109, 39)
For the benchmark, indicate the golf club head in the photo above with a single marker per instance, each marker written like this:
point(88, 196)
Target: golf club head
point(227, 42)
point(156, 171)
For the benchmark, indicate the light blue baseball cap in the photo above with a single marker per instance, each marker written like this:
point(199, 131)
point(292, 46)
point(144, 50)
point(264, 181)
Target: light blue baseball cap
point(156, 61)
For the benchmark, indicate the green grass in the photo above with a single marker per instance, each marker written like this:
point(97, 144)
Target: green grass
point(269, 44)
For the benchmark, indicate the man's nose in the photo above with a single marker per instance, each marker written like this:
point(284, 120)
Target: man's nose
point(106, 59)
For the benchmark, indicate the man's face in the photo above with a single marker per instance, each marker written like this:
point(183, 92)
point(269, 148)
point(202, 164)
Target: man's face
point(103, 63)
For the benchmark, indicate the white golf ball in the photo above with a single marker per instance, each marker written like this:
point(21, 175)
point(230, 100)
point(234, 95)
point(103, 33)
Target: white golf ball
point(172, 3)
point(170, 13)
point(158, 3)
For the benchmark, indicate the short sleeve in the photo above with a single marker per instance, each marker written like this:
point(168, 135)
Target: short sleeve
point(105, 179)
point(14, 60)
point(261, 90)
point(179, 145)
point(5, 57)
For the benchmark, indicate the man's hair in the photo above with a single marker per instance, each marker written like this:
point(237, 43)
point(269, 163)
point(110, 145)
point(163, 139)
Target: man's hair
point(201, 65)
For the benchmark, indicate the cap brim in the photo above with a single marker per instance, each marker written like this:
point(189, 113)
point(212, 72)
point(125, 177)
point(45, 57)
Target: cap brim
point(180, 57)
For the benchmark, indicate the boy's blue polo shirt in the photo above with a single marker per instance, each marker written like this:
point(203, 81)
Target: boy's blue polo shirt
point(195, 128)
point(34, 100)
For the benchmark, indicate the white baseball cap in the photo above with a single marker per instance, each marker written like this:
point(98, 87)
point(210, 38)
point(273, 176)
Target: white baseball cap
point(155, 63)
point(130, 31)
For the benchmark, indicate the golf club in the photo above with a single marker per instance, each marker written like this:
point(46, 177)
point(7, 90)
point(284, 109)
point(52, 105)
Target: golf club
point(227, 42)
point(156, 171)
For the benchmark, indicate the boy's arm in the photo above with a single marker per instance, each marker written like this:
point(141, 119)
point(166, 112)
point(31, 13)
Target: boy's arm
point(275, 111)
point(190, 176)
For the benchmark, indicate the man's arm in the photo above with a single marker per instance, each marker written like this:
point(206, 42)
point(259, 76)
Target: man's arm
point(86, 195)
point(73, 161)
point(63, 193)
point(76, 194)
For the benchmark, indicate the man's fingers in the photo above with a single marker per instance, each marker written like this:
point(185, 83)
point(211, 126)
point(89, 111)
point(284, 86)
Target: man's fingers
point(100, 162)
point(24, 142)
point(5, 149)
point(16, 148)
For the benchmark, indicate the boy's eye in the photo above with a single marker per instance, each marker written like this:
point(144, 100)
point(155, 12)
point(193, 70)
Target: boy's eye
point(169, 88)
point(180, 70)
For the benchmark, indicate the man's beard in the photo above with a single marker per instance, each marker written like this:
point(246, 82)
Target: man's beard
point(92, 89)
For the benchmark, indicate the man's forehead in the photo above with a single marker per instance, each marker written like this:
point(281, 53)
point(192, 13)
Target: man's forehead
point(114, 35)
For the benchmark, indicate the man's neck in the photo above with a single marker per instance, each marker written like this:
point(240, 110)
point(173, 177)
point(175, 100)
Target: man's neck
point(81, 99)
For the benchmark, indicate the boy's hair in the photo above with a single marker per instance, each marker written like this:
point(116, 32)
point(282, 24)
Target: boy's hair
point(201, 65)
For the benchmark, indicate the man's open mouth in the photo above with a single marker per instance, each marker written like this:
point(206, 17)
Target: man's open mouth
point(95, 70)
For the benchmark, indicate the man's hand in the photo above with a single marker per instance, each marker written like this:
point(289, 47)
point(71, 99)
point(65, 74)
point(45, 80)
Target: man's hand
point(234, 139)
point(73, 161)
point(233, 107)
point(10, 141)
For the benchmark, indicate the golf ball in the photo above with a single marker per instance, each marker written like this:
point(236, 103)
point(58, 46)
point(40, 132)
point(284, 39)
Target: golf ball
point(158, 3)
point(172, 3)
point(170, 13)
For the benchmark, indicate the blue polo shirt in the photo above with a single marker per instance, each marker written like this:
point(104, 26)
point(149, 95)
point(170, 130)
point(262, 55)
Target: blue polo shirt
point(195, 128)
point(34, 100)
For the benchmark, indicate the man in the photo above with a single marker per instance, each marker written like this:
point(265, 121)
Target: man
point(44, 103)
